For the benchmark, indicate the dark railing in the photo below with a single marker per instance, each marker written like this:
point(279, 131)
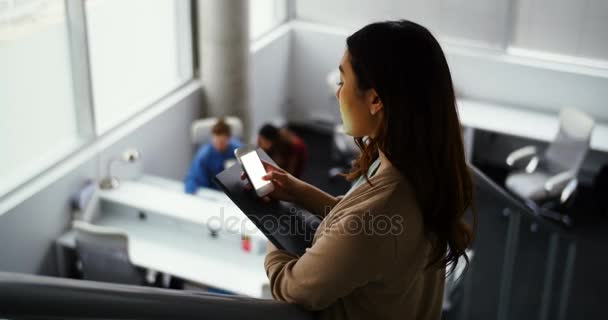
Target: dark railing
point(484, 183)
point(36, 297)
point(541, 256)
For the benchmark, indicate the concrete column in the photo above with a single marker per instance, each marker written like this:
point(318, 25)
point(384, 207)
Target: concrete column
point(224, 57)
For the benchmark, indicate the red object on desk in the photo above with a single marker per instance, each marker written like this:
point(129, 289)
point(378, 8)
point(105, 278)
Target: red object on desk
point(246, 243)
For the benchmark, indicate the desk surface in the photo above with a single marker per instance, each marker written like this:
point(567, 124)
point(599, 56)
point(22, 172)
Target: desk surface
point(520, 122)
point(206, 206)
point(174, 237)
point(192, 256)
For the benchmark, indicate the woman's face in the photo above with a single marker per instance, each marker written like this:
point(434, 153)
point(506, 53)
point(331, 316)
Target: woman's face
point(361, 110)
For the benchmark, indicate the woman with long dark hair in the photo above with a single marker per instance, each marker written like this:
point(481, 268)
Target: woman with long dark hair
point(382, 250)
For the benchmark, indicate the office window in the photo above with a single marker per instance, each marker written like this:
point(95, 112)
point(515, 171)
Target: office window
point(37, 111)
point(265, 15)
point(140, 50)
point(563, 27)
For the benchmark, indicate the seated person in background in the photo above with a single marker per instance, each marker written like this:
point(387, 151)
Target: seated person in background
point(211, 158)
point(284, 147)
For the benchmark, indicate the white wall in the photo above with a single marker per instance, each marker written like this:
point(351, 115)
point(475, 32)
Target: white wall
point(27, 231)
point(528, 83)
point(269, 78)
point(566, 27)
point(316, 51)
point(479, 21)
point(577, 28)
point(478, 74)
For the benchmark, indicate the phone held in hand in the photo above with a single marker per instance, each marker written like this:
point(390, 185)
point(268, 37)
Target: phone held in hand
point(254, 168)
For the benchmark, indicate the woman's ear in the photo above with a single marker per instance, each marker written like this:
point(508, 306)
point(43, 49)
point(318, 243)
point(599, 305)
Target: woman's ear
point(375, 103)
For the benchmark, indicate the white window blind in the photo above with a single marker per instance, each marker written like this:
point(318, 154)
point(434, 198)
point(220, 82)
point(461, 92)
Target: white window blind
point(140, 50)
point(37, 111)
point(264, 15)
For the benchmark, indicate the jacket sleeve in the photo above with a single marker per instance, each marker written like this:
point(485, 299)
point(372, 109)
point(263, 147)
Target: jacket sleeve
point(235, 143)
point(340, 261)
point(197, 175)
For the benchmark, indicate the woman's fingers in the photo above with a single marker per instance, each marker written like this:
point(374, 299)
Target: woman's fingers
point(270, 167)
point(247, 185)
point(276, 176)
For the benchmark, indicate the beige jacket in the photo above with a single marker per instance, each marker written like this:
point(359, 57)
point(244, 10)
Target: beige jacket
point(360, 268)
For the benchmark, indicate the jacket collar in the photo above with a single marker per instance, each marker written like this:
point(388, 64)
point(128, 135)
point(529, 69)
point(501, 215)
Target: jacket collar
point(385, 174)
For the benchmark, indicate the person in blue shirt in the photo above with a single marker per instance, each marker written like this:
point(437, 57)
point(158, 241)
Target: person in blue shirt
point(211, 158)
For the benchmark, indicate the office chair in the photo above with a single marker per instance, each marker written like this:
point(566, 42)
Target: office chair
point(200, 130)
point(103, 255)
point(553, 174)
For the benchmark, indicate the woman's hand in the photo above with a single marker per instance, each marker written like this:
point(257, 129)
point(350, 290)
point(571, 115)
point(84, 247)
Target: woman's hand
point(291, 189)
point(286, 186)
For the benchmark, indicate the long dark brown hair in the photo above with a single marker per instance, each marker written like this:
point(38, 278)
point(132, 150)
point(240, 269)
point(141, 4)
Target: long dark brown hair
point(420, 133)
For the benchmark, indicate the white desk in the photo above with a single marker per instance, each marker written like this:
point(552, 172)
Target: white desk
point(205, 208)
point(520, 122)
point(174, 239)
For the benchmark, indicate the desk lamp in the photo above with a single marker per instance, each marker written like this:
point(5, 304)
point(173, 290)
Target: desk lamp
point(129, 156)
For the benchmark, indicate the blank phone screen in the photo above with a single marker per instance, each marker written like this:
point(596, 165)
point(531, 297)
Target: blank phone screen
point(255, 169)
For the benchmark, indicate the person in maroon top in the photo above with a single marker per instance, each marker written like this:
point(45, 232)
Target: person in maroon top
point(286, 148)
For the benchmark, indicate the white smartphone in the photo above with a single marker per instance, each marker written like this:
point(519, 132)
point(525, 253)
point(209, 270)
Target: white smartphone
point(254, 168)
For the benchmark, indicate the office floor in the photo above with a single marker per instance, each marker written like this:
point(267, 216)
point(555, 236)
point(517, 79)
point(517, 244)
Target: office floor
point(320, 161)
point(589, 287)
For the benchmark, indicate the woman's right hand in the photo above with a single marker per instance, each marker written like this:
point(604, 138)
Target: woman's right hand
point(286, 186)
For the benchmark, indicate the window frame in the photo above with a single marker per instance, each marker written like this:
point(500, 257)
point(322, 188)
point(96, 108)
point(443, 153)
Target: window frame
point(87, 133)
point(289, 15)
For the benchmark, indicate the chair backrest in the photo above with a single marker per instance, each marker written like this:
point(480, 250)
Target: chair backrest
point(571, 144)
point(201, 129)
point(104, 254)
